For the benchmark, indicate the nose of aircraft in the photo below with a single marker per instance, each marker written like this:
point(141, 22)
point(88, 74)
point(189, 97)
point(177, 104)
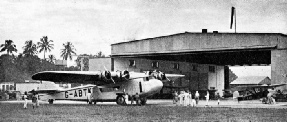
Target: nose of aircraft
point(157, 85)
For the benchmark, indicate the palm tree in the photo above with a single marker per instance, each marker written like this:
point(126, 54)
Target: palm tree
point(51, 58)
point(44, 45)
point(9, 46)
point(30, 48)
point(68, 51)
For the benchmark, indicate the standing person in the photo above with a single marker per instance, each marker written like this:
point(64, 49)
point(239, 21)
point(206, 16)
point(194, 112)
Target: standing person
point(269, 98)
point(178, 98)
point(207, 98)
point(181, 98)
point(37, 100)
point(132, 99)
point(89, 98)
point(189, 98)
point(185, 94)
point(34, 99)
point(193, 103)
point(174, 95)
point(137, 97)
point(25, 100)
point(218, 98)
point(126, 98)
point(196, 97)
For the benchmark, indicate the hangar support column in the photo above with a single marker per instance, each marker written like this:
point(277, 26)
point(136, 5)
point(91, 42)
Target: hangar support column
point(279, 67)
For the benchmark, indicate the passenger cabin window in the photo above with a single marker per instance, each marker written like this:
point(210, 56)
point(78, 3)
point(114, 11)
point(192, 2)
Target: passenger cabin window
point(212, 69)
point(109, 89)
point(155, 64)
point(132, 63)
point(146, 79)
point(175, 66)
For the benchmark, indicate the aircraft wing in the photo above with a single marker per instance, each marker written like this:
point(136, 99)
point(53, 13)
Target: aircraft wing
point(174, 75)
point(277, 85)
point(165, 86)
point(68, 76)
point(246, 87)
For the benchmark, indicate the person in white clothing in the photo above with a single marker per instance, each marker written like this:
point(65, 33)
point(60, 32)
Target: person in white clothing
point(25, 100)
point(193, 103)
point(126, 98)
point(186, 99)
point(181, 98)
point(207, 97)
point(189, 99)
point(196, 97)
point(37, 101)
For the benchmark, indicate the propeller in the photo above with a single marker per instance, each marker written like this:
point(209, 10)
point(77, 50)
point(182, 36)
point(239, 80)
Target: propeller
point(126, 74)
point(107, 75)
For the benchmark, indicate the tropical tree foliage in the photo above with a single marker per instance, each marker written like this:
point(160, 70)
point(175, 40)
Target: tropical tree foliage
point(51, 58)
point(68, 51)
point(30, 48)
point(45, 45)
point(22, 67)
point(8, 46)
point(85, 58)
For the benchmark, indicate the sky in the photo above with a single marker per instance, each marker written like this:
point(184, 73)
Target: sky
point(93, 25)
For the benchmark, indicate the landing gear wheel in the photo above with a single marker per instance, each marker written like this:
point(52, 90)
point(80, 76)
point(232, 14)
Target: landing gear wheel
point(120, 100)
point(90, 102)
point(143, 101)
point(50, 101)
point(95, 102)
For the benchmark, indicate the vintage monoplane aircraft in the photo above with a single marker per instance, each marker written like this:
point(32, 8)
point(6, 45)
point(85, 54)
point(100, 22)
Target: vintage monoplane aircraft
point(108, 86)
point(249, 92)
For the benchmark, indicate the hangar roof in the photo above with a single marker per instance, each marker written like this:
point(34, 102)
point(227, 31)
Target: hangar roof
point(279, 34)
point(252, 80)
point(205, 48)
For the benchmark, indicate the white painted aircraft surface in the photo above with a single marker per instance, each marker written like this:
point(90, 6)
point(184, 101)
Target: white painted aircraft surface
point(108, 86)
point(53, 92)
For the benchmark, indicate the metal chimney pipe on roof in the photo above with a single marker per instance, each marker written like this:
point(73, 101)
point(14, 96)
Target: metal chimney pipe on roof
point(204, 30)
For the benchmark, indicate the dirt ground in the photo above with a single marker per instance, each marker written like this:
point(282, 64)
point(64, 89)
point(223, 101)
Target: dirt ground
point(85, 112)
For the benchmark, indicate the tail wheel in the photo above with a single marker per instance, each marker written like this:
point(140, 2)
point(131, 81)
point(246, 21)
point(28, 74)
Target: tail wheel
point(120, 100)
point(143, 100)
point(50, 101)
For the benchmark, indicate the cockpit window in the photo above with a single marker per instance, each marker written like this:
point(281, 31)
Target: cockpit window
point(146, 79)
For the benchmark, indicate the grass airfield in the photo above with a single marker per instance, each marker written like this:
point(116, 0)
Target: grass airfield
point(156, 110)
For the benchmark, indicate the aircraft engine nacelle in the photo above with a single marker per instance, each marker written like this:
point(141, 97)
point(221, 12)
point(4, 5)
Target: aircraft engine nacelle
point(158, 75)
point(107, 75)
point(126, 74)
point(122, 74)
point(161, 76)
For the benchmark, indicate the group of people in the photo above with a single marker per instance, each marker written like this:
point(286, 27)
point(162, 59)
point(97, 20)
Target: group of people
point(134, 98)
point(35, 100)
point(269, 96)
point(186, 98)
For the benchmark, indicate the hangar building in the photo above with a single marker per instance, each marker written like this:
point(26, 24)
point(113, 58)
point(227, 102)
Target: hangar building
point(202, 57)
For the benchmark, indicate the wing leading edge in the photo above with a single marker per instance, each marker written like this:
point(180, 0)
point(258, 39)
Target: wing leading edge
point(68, 76)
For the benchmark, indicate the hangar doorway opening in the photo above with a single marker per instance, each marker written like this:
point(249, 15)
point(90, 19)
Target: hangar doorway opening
point(249, 75)
point(203, 70)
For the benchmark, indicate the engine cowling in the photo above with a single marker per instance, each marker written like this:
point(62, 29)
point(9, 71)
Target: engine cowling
point(158, 75)
point(126, 74)
point(161, 76)
point(107, 75)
